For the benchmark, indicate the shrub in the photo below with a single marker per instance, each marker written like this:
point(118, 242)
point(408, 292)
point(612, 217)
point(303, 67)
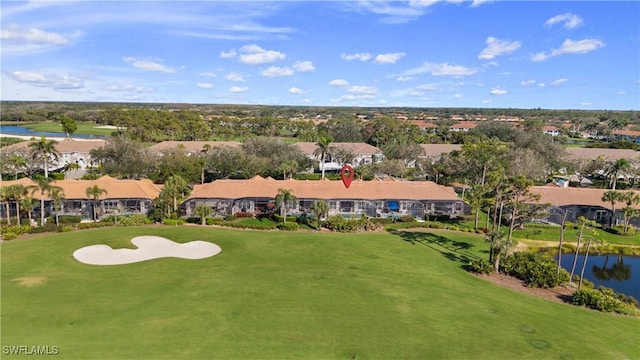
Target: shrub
point(535, 270)
point(230, 217)
point(93, 225)
point(173, 222)
point(288, 226)
point(382, 220)
point(481, 266)
point(214, 221)
point(340, 224)
point(135, 220)
point(65, 219)
point(603, 299)
point(48, 227)
point(12, 232)
point(407, 218)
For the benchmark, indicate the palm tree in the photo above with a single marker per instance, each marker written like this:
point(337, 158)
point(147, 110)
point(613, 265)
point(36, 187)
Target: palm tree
point(284, 200)
point(94, 192)
point(28, 203)
point(44, 150)
point(175, 187)
point(323, 149)
point(617, 168)
point(319, 209)
point(613, 197)
point(44, 185)
point(17, 192)
point(203, 211)
point(288, 167)
point(498, 242)
point(5, 196)
point(17, 162)
point(57, 196)
point(630, 198)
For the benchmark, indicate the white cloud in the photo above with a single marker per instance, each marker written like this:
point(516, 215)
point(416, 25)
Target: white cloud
point(568, 20)
point(405, 78)
point(275, 71)
point(586, 103)
point(304, 66)
point(16, 33)
point(17, 40)
point(496, 47)
point(457, 96)
point(363, 90)
point(571, 47)
point(541, 85)
point(234, 77)
point(497, 91)
point(148, 65)
point(204, 85)
point(621, 93)
point(389, 58)
point(476, 3)
point(295, 90)
point(127, 88)
point(228, 54)
point(558, 82)
point(527, 82)
point(351, 97)
point(207, 74)
point(356, 56)
point(487, 101)
point(237, 89)
point(255, 55)
point(442, 69)
point(55, 81)
point(339, 82)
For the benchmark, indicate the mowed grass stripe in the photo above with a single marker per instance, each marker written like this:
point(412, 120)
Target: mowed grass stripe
point(289, 295)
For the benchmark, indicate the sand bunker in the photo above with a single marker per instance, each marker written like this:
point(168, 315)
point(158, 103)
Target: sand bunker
point(149, 247)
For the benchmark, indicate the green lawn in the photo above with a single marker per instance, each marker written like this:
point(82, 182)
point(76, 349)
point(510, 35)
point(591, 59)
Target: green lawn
point(280, 295)
point(83, 128)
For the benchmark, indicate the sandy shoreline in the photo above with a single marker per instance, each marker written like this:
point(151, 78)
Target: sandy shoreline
point(30, 137)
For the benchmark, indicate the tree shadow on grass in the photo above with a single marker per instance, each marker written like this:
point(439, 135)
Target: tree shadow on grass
point(453, 250)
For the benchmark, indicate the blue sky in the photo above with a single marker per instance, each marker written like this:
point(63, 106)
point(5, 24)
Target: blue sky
point(419, 53)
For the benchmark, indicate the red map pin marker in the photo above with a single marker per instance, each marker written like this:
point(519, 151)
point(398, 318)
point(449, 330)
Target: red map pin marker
point(346, 174)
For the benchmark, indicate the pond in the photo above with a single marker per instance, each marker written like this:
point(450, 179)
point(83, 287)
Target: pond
point(20, 130)
point(620, 273)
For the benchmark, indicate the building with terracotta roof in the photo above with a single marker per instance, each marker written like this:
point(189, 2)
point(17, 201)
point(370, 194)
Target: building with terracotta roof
point(627, 135)
point(71, 152)
point(363, 153)
point(607, 154)
point(377, 198)
point(124, 197)
point(463, 126)
point(578, 202)
point(551, 130)
point(192, 147)
point(435, 151)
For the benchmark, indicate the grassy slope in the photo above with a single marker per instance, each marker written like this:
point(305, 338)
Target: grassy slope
point(290, 295)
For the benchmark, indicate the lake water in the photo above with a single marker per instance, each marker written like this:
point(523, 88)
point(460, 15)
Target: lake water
point(620, 273)
point(19, 130)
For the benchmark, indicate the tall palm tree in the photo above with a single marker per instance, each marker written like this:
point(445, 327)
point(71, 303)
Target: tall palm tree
point(284, 200)
point(28, 203)
point(44, 150)
point(612, 197)
point(17, 162)
point(617, 168)
point(18, 192)
point(631, 199)
point(175, 187)
point(57, 196)
point(44, 185)
point(319, 209)
point(323, 150)
point(5, 196)
point(94, 192)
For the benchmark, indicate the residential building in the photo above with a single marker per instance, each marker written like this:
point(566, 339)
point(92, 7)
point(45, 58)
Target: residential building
point(71, 152)
point(122, 197)
point(363, 153)
point(627, 135)
point(376, 198)
point(193, 147)
point(551, 130)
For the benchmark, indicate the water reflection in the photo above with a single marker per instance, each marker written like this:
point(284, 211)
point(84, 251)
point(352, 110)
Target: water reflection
point(619, 271)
